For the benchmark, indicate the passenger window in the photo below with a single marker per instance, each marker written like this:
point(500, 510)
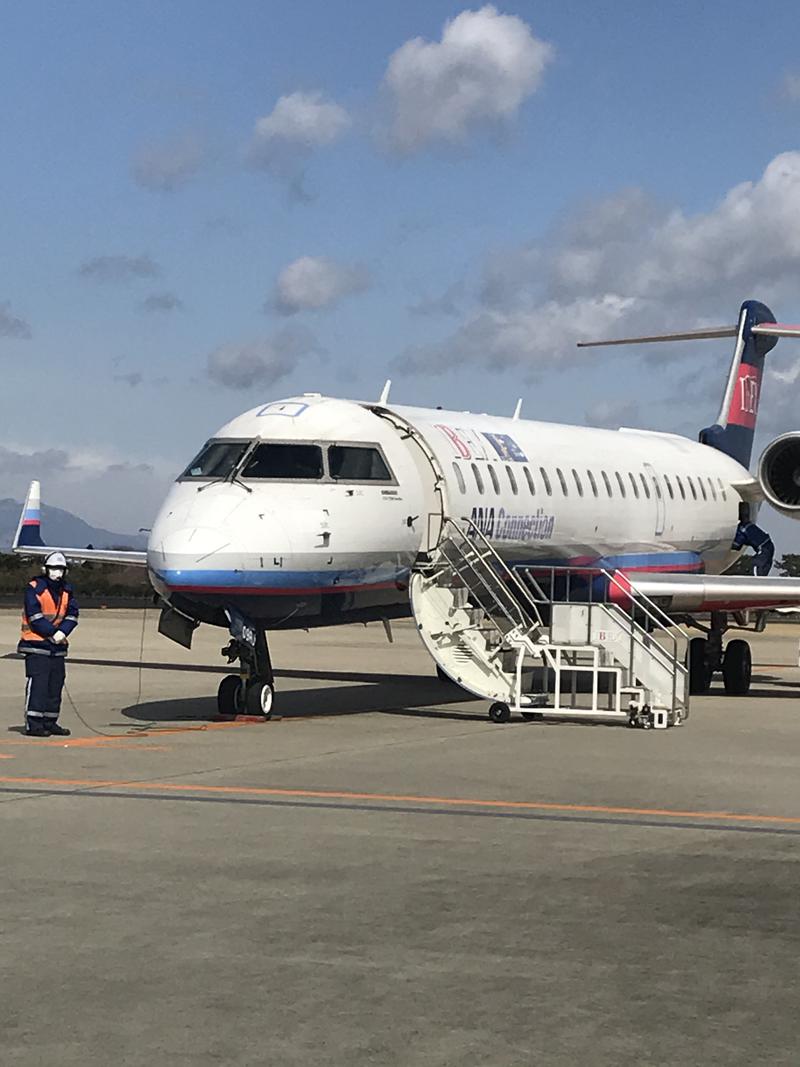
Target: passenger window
point(357, 463)
point(462, 485)
point(578, 485)
point(680, 486)
point(620, 483)
point(512, 481)
point(547, 487)
point(529, 480)
point(657, 485)
point(217, 459)
point(606, 482)
point(721, 489)
point(645, 486)
point(495, 483)
point(634, 485)
point(592, 482)
point(287, 461)
point(669, 487)
point(478, 479)
point(702, 488)
point(563, 480)
point(691, 486)
point(711, 487)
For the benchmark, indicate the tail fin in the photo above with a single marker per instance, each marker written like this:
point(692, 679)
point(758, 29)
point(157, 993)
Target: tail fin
point(734, 430)
point(29, 530)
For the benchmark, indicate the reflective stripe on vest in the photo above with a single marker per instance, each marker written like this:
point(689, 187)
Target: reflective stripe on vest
point(48, 609)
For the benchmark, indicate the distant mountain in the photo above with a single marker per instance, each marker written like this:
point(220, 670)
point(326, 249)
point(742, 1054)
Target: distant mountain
point(62, 528)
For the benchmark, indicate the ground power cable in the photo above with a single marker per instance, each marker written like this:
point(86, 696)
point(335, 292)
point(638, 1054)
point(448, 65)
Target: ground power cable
point(133, 707)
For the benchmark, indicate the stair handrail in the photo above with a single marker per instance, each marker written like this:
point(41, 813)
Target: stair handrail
point(500, 593)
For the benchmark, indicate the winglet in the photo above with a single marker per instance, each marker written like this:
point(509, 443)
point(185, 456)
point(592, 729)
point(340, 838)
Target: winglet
point(29, 530)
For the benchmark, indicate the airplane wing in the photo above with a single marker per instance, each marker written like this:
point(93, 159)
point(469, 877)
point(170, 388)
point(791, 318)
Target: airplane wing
point(712, 592)
point(28, 539)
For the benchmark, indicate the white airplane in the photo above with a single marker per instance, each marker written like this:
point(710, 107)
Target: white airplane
point(313, 511)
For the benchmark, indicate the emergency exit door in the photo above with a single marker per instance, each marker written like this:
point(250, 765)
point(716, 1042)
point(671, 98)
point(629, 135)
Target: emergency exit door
point(657, 494)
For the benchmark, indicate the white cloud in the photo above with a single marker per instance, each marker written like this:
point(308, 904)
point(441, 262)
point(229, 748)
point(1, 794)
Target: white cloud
point(261, 362)
point(612, 413)
point(790, 87)
point(12, 325)
point(628, 264)
point(479, 74)
point(101, 487)
point(167, 165)
point(313, 282)
point(119, 268)
point(297, 125)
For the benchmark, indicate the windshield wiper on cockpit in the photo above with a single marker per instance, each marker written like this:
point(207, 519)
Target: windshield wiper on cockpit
point(233, 475)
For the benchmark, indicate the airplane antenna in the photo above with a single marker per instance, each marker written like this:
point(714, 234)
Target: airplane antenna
point(385, 392)
point(517, 409)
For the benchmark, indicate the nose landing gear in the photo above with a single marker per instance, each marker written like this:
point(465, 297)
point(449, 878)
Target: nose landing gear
point(252, 690)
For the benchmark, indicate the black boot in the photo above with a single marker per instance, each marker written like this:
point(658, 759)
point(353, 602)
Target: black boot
point(58, 731)
point(36, 729)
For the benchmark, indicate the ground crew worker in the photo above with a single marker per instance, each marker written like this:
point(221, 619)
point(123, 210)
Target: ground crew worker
point(49, 615)
point(747, 533)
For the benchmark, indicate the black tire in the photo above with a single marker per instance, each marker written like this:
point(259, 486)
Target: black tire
point(699, 673)
point(260, 699)
point(229, 695)
point(737, 668)
point(499, 712)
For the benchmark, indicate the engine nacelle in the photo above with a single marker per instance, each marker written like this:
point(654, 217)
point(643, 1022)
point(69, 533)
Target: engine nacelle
point(779, 473)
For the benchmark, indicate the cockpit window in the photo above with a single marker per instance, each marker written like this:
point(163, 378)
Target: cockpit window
point(217, 459)
point(284, 461)
point(357, 463)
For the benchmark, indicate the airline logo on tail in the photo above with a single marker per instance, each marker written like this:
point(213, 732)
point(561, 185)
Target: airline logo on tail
point(744, 401)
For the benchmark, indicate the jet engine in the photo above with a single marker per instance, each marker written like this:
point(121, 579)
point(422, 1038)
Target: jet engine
point(779, 473)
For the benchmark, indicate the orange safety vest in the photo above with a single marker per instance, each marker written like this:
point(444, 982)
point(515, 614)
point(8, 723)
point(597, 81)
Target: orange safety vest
point(48, 609)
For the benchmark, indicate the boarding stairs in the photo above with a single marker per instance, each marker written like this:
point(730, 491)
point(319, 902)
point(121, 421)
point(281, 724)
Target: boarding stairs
point(566, 642)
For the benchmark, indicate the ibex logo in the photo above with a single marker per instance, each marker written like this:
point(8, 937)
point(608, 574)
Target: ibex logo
point(749, 394)
point(744, 402)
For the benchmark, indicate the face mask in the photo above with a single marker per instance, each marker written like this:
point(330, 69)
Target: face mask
point(55, 574)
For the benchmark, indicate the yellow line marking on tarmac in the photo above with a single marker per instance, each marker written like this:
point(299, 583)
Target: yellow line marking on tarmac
point(403, 798)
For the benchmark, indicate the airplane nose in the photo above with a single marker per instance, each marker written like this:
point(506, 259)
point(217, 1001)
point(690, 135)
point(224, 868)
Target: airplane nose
point(189, 557)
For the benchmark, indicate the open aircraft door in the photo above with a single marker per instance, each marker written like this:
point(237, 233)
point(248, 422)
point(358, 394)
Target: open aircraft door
point(430, 474)
point(658, 497)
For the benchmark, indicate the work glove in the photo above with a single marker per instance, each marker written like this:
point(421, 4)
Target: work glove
point(58, 637)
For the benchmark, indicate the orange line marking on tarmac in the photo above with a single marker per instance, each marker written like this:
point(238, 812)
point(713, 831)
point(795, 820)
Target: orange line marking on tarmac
point(455, 802)
point(88, 742)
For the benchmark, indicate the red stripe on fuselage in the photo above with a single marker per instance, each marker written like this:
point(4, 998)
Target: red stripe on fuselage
point(244, 590)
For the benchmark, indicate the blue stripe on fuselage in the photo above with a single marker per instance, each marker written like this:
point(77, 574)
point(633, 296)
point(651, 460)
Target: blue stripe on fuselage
point(331, 580)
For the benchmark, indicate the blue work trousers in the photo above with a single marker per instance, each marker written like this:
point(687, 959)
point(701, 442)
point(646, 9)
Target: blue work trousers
point(44, 681)
point(762, 560)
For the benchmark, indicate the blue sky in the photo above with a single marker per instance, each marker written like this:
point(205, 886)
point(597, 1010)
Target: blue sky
point(206, 206)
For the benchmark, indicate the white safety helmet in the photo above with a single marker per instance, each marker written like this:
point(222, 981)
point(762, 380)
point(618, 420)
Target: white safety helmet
point(55, 565)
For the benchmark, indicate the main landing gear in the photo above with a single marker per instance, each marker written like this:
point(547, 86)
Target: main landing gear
point(706, 656)
point(252, 690)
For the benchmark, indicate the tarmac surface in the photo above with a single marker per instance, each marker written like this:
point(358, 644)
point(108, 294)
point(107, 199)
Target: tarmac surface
point(381, 876)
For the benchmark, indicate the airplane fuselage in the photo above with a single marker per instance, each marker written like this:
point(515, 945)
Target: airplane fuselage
point(313, 510)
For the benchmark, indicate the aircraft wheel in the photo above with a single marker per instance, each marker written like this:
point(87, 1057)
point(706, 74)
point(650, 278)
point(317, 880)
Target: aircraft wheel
point(699, 673)
point(230, 695)
point(499, 712)
point(260, 699)
point(737, 668)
